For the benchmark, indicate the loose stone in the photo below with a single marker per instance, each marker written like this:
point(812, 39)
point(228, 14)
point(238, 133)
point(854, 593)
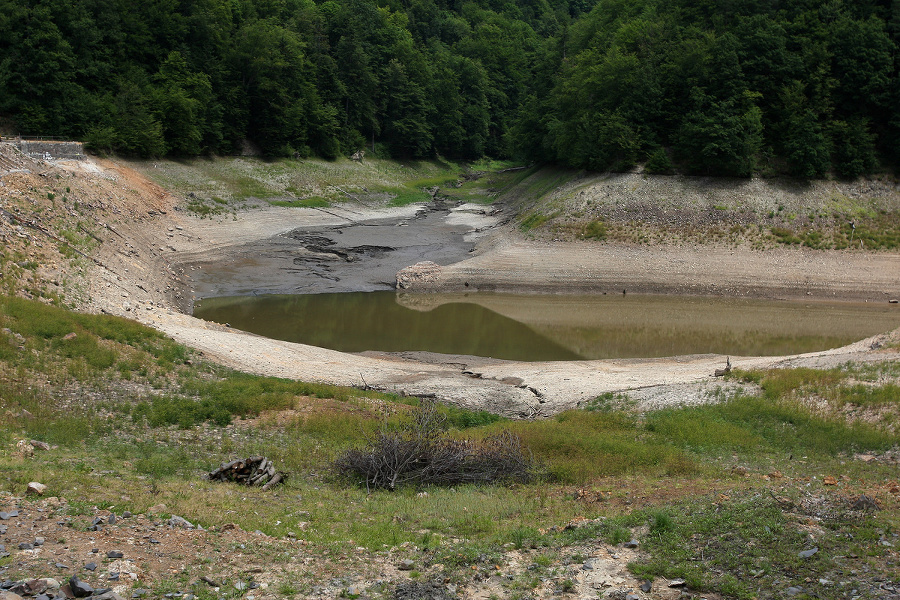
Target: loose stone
point(79, 588)
point(35, 488)
point(177, 521)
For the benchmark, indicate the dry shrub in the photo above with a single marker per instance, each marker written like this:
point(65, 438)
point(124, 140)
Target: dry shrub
point(418, 451)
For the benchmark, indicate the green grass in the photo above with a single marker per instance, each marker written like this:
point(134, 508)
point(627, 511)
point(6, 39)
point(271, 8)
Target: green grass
point(735, 536)
point(739, 546)
point(406, 197)
point(414, 191)
point(595, 230)
point(311, 182)
point(878, 231)
point(533, 221)
point(314, 202)
point(870, 395)
point(203, 208)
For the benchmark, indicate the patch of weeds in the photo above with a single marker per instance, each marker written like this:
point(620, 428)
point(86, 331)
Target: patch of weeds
point(869, 395)
point(242, 394)
point(464, 555)
point(462, 418)
point(313, 202)
point(781, 383)
point(737, 546)
point(815, 239)
point(71, 432)
point(493, 164)
point(406, 197)
point(700, 429)
point(202, 208)
point(595, 230)
point(618, 535)
point(523, 536)
point(661, 522)
point(786, 236)
point(578, 446)
point(251, 187)
point(184, 412)
point(533, 221)
point(608, 402)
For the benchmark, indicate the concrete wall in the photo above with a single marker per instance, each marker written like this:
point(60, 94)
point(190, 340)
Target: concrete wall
point(50, 150)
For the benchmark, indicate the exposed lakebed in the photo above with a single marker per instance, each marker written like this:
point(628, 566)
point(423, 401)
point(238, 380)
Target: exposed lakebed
point(347, 256)
point(332, 287)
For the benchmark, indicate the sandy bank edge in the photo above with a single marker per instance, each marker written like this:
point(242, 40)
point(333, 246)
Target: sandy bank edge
point(146, 276)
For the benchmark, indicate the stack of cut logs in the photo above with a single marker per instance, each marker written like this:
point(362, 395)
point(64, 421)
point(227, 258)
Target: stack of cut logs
point(256, 470)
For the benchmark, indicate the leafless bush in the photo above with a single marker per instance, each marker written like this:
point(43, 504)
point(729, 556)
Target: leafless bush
point(419, 451)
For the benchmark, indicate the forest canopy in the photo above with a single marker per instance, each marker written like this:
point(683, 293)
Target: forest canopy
point(804, 88)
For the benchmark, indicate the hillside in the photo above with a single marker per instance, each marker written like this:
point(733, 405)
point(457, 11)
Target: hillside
point(779, 482)
point(704, 89)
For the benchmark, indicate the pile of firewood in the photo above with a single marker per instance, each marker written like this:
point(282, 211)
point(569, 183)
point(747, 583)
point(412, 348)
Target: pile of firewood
point(256, 470)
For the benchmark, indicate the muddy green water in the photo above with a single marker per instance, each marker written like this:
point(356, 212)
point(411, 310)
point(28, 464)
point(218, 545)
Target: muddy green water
point(547, 327)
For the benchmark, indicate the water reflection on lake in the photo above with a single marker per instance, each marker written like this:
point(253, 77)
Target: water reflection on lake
point(551, 327)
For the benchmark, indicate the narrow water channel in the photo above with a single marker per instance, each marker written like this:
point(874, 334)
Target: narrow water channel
point(551, 327)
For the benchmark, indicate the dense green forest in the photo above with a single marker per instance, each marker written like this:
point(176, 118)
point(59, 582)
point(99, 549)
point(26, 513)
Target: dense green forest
point(731, 87)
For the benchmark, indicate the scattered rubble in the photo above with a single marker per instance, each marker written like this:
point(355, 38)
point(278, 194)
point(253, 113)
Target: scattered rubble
point(255, 470)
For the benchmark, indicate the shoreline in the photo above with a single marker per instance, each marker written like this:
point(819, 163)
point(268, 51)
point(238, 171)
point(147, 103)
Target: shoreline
point(147, 268)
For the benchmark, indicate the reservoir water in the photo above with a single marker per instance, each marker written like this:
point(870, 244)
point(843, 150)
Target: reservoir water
point(551, 327)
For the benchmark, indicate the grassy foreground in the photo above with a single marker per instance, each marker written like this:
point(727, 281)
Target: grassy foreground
point(725, 496)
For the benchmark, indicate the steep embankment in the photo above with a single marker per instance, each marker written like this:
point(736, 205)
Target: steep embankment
point(143, 245)
point(679, 235)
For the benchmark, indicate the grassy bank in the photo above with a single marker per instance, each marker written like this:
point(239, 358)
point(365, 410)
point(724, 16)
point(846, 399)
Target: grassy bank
point(752, 481)
point(762, 213)
point(218, 185)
